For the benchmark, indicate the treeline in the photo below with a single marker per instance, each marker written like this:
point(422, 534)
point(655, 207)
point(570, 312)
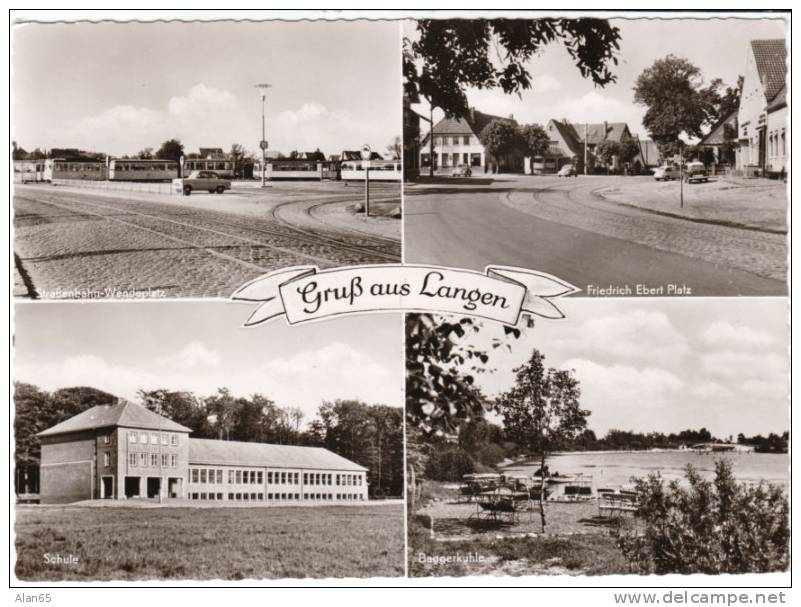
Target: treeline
point(480, 445)
point(370, 435)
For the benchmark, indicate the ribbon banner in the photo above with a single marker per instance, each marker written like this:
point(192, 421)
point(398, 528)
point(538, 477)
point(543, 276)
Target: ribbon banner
point(304, 293)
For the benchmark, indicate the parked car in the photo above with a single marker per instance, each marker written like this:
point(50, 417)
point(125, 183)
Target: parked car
point(567, 171)
point(666, 173)
point(695, 171)
point(203, 180)
point(463, 170)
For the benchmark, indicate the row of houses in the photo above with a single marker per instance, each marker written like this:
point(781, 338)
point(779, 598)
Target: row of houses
point(456, 143)
point(751, 140)
point(126, 451)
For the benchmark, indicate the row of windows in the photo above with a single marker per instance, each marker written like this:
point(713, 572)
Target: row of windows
point(455, 140)
point(128, 166)
point(141, 460)
point(248, 477)
point(207, 165)
point(253, 497)
point(144, 438)
point(777, 143)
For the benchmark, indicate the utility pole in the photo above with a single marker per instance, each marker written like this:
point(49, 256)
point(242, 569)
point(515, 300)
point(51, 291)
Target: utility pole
point(586, 130)
point(263, 143)
point(366, 156)
point(681, 174)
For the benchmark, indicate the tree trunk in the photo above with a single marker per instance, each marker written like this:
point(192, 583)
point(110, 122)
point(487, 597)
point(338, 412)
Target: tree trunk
point(411, 491)
point(431, 140)
point(542, 491)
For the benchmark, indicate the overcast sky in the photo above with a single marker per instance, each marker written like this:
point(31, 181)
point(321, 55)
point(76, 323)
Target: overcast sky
point(666, 364)
point(717, 46)
point(118, 88)
point(199, 347)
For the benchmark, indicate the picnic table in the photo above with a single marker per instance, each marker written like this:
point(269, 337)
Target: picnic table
point(502, 503)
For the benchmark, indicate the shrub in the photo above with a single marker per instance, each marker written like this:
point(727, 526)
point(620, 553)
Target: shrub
point(712, 527)
point(449, 463)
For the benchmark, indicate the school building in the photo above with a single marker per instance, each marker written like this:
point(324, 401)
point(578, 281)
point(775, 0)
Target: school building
point(125, 451)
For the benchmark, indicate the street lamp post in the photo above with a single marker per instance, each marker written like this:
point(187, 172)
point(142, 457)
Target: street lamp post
point(263, 143)
point(367, 154)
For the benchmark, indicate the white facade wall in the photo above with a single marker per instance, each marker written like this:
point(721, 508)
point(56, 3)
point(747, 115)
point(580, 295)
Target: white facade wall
point(452, 150)
point(777, 141)
point(284, 486)
point(751, 115)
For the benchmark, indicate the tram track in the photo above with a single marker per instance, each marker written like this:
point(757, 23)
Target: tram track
point(333, 251)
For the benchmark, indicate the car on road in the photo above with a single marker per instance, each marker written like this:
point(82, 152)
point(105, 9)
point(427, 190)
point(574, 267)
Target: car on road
point(666, 173)
point(203, 180)
point(463, 170)
point(695, 171)
point(567, 171)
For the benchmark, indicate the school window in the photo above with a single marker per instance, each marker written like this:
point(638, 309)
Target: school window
point(230, 477)
point(174, 440)
point(269, 478)
point(106, 438)
point(107, 459)
point(154, 460)
point(337, 480)
point(238, 478)
point(297, 478)
point(219, 475)
point(283, 478)
point(143, 459)
point(143, 438)
point(173, 461)
point(466, 139)
point(132, 437)
point(163, 439)
point(154, 438)
point(194, 475)
point(231, 496)
point(261, 497)
point(202, 496)
point(163, 460)
point(202, 475)
point(259, 477)
point(305, 478)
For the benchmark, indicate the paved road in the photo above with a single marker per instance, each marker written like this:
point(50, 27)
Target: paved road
point(72, 243)
point(564, 228)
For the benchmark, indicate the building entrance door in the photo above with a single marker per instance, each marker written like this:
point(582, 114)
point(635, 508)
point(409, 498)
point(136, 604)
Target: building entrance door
point(153, 486)
point(762, 144)
point(107, 487)
point(132, 486)
point(174, 487)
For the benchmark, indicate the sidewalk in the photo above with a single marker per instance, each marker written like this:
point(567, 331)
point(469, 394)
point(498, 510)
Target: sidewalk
point(756, 204)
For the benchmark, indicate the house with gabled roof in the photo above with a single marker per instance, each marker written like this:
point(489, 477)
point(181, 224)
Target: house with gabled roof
point(568, 140)
point(762, 115)
point(718, 145)
point(125, 451)
point(457, 142)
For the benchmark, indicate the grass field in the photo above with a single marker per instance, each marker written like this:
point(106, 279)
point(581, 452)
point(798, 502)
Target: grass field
point(588, 554)
point(209, 543)
point(578, 541)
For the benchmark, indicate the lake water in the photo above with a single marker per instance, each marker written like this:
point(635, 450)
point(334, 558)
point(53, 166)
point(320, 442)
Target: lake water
point(614, 469)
